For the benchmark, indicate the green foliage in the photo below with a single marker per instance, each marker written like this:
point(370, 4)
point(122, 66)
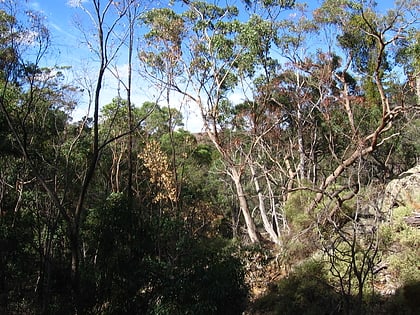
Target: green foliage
point(148, 256)
point(408, 54)
point(305, 291)
point(166, 25)
point(203, 154)
point(256, 36)
point(286, 4)
point(166, 31)
point(296, 208)
point(205, 280)
point(404, 264)
point(156, 266)
point(159, 120)
point(405, 240)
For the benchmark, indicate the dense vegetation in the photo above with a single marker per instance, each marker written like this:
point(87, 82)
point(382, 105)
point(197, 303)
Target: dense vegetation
point(275, 208)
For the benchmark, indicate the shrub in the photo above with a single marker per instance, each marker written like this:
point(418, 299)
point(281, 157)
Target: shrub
point(155, 266)
point(306, 292)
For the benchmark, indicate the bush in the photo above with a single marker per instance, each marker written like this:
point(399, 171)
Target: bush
point(295, 208)
point(306, 292)
point(155, 266)
point(204, 279)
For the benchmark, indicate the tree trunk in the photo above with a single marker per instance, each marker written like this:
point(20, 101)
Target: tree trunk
point(301, 147)
point(75, 261)
point(76, 292)
point(261, 204)
point(243, 204)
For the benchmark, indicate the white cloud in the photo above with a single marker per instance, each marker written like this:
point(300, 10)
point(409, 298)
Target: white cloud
point(237, 98)
point(35, 6)
point(56, 27)
point(75, 3)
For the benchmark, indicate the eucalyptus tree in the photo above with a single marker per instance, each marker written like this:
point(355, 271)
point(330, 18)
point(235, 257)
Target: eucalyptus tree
point(408, 56)
point(211, 53)
point(35, 103)
point(340, 113)
point(362, 109)
point(105, 42)
point(282, 121)
point(366, 39)
point(31, 94)
point(115, 126)
point(159, 119)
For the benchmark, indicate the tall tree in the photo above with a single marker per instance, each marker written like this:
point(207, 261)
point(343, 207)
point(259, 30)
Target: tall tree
point(106, 42)
point(366, 38)
point(34, 88)
point(214, 50)
point(35, 103)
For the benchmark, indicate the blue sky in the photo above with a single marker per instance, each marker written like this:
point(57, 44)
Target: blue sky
point(69, 51)
point(60, 20)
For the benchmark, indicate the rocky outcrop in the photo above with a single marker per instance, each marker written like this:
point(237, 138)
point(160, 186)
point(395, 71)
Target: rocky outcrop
point(404, 191)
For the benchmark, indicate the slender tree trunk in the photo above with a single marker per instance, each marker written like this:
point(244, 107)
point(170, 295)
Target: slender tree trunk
point(75, 261)
point(130, 113)
point(261, 204)
point(92, 162)
point(301, 147)
point(243, 204)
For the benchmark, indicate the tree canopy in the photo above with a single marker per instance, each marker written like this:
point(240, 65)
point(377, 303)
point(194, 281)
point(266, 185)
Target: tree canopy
point(275, 206)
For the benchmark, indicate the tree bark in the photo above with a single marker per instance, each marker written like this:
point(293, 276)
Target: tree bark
point(261, 204)
point(243, 204)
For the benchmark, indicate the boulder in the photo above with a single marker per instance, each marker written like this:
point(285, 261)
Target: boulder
point(403, 191)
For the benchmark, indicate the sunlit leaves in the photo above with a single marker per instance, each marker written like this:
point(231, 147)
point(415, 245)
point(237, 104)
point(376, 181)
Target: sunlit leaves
point(17, 37)
point(214, 30)
point(164, 41)
point(160, 174)
point(285, 4)
point(256, 38)
point(408, 54)
point(209, 13)
point(158, 119)
point(165, 25)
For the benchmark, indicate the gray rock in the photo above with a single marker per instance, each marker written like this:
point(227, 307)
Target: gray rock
point(403, 191)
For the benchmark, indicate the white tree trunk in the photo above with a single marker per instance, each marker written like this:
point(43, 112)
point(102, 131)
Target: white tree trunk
point(261, 204)
point(243, 204)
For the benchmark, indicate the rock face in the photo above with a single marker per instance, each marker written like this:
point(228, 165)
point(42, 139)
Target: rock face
point(404, 191)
